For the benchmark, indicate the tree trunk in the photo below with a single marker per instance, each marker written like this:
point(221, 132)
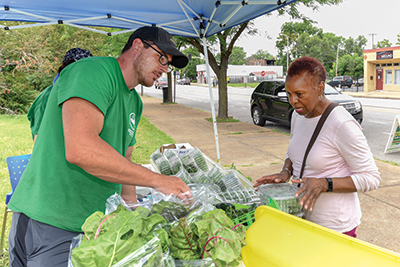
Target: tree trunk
point(223, 97)
point(169, 75)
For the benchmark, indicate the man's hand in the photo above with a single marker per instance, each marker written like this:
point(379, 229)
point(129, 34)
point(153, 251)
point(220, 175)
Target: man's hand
point(175, 186)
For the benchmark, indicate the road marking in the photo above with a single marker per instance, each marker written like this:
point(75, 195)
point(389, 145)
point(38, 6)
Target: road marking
point(380, 110)
point(378, 122)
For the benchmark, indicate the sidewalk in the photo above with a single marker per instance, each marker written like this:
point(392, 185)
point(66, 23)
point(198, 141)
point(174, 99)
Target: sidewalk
point(257, 151)
point(375, 94)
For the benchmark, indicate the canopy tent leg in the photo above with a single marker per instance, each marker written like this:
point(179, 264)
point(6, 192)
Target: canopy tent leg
point(211, 98)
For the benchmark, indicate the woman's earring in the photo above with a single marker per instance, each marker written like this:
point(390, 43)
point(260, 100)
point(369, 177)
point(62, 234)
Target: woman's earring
point(320, 97)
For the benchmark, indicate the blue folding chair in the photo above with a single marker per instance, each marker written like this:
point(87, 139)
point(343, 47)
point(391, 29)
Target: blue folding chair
point(16, 166)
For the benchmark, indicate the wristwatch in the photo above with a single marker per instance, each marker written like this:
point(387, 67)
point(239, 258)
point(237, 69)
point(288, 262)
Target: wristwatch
point(330, 184)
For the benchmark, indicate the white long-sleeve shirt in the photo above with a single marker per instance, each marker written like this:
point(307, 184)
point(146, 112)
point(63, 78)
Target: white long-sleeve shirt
point(340, 150)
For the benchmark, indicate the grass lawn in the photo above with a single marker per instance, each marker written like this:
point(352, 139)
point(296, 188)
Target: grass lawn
point(16, 139)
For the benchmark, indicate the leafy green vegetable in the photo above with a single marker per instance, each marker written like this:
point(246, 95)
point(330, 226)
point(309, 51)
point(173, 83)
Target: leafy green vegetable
point(171, 211)
point(199, 159)
point(183, 242)
point(108, 239)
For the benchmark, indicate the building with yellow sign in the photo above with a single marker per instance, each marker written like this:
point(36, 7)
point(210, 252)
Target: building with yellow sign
point(382, 69)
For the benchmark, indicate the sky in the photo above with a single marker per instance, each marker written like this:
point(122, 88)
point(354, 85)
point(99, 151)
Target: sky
point(348, 19)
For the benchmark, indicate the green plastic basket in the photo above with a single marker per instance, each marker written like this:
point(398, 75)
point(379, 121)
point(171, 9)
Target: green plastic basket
point(248, 219)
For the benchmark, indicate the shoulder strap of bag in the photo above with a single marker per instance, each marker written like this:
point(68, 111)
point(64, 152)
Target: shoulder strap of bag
point(321, 122)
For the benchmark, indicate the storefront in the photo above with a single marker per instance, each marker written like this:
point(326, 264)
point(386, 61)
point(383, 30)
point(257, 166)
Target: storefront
point(382, 69)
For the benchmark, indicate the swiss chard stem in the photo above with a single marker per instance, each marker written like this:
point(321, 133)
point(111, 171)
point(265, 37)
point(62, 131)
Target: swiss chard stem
point(99, 228)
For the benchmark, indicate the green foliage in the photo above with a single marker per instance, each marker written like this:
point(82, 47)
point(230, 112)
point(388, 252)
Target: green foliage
point(30, 57)
point(349, 65)
point(147, 143)
point(261, 54)
point(238, 55)
point(229, 119)
point(382, 44)
point(308, 40)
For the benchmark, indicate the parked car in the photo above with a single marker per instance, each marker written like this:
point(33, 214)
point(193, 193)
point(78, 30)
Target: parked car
point(269, 101)
point(184, 81)
point(161, 83)
point(341, 81)
point(359, 82)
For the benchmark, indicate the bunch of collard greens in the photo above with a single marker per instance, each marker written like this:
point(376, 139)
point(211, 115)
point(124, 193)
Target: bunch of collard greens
point(108, 239)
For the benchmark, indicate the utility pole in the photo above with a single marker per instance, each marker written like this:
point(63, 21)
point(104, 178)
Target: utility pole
point(337, 58)
point(373, 34)
point(287, 52)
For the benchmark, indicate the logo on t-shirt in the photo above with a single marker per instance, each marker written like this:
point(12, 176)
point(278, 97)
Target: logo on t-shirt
point(132, 124)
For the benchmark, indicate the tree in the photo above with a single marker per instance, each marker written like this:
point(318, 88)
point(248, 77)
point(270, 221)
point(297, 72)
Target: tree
point(226, 41)
point(261, 54)
point(30, 57)
point(398, 39)
point(384, 43)
point(351, 65)
point(237, 57)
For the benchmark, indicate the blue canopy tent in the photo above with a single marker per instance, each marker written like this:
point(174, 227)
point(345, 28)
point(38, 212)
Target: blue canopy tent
point(188, 18)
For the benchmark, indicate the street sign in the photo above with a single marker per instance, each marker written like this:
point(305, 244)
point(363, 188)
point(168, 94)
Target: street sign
point(393, 143)
point(263, 73)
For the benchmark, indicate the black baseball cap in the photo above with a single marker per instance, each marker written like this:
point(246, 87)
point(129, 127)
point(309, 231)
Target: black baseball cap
point(163, 40)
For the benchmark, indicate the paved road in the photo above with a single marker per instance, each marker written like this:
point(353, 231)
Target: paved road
point(379, 114)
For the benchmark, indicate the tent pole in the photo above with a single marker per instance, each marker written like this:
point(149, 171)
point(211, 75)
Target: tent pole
point(211, 97)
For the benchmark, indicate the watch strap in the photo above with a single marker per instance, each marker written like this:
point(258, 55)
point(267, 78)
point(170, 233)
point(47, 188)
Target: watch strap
point(330, 184)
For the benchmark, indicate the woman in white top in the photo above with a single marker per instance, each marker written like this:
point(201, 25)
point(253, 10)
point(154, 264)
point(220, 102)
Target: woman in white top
point(339, 164)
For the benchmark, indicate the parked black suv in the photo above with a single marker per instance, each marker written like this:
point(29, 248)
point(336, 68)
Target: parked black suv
point(269, 101)
point(341, 81)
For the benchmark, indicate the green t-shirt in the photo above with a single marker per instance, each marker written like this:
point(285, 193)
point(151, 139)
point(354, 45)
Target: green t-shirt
point(36, 111)
point(52, 190)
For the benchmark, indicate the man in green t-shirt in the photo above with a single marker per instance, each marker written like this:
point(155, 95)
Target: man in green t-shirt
point(78, 159)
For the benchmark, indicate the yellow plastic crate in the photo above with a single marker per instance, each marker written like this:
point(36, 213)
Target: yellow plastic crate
point(280, 239)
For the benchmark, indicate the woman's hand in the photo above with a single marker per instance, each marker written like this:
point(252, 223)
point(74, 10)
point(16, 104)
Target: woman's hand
point(276, 178)
point(312, 188)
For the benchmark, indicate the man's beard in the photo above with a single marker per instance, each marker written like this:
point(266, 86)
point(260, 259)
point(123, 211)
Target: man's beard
point(138, 67)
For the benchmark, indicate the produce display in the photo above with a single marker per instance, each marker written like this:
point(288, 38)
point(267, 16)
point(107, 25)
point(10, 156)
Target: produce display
point(165, 231)
point(168, 232)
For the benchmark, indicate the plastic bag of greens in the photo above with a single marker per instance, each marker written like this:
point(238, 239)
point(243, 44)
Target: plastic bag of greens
point(163, 165)
point(168, 153)
point(184, 175)
point(190, 164)
point(122, 238)
point(217, 176)
point(199, 159)
point(242, 196)
point(201, 178)
point(172, 208)
point(115, 200)
point(175, 163)
point(211, 191)
point(208, 262)
point(156, 155)
point(232, 181)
